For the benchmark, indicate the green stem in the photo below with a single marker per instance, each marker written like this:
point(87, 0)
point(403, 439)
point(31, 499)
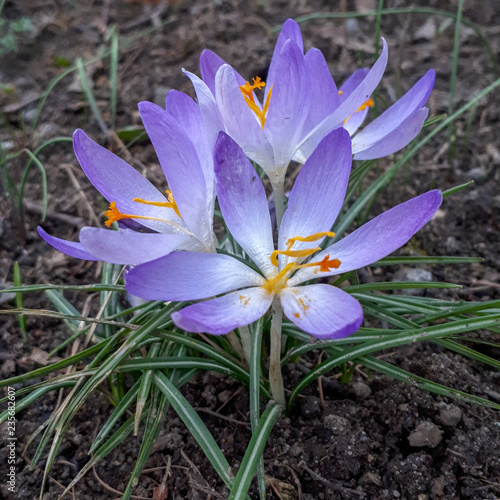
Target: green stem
point(275, 376)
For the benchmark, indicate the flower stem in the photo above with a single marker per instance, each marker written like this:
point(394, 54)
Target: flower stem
point(279, 199)
point(246, 342)
point(275, 376)
point(236, 344)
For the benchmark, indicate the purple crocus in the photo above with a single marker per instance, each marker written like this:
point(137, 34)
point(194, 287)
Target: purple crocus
point(151, 224)
point(301, 104)
point(321, 310)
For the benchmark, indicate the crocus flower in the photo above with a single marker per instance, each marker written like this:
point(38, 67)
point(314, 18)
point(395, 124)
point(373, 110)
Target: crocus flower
point(151, 224)
point(301, 104)
point(315, 200)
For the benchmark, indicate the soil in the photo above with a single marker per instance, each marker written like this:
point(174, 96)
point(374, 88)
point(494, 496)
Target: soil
point(374, 438)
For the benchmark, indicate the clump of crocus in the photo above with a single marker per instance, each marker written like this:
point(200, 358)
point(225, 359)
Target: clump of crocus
point(301, 104)
point(321, 310)
point(151, 224)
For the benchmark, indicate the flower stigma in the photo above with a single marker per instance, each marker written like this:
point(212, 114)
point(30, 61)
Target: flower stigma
point(247, 91)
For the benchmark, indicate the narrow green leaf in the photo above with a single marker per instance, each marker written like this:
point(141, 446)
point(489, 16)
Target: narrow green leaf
point(254, 451)
point(20, 302)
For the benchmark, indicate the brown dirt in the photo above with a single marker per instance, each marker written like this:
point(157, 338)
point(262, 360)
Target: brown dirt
point(363, 440)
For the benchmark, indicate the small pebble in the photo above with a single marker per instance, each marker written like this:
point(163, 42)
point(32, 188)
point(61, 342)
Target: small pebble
point(361, 389)
point(337, 424)
point(370, 478)
point(450, 415)
point(426, 434)
point(408, 274)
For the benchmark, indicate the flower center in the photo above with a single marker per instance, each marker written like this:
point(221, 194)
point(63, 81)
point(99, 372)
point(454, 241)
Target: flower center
point(247, 91)
point(276, 284)
point(113, 213)
point(366, 104)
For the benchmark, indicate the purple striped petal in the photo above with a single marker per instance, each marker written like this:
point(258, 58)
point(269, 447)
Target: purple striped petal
point(117, 181)
point(71, 248)
point(208, 107)
point(129, 247)
point(289, 104)
point(322, 310)
point(318, 193)
point(352, 103)
point(190, 276)
point(289, 31)
point(322, 88)
point(179, 160)
point(368, 148)
point(377, 238)
point(243, 203)
point(241, 124)
point(220, 316)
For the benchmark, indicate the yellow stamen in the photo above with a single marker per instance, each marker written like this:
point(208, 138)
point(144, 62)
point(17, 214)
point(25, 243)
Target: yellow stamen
point(341, 92)
point(292, 253)
point(312, 237)
point(366, 104)
point(247, 91)
point(278, 282)
point(167, 204)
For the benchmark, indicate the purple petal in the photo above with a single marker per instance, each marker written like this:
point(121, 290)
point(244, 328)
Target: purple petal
point(369, 148)
point(394, 118)
point(129, 247)
point(322, 310)
point(289, 104)
point(241, 123)
point(71, 248)
point(318, 193)
point(208, 107)
point(353, 102)
point(289, 31)
point(357, 118)
point(210, 62)
point(188, 117)
point(117, 181)
point(243, 202)
point(377, 238)
point(220, 316)
point(322, 88)
point(190, 276)
point(179, 160)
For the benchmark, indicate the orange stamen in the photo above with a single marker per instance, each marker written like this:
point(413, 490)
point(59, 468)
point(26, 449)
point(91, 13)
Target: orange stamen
point(247, 91)
point(367, 104)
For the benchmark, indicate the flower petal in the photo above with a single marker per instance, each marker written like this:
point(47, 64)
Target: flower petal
point(377, 238)
point(358, 97)
point(369, 148)
point(243, 203)
point(318, 193)
point(323, 311)
point(220, 316)
point(289, 31)
point(394, 118)
point(289, 104)
point(129, 247)
point(208, 107)
point(322, 88)
point(179, 160)
point(190, 276)
point(241, 124)
point(71, 248)
point(210, 62)
point(117, 181)
point(356, 119)
point(188, 116)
